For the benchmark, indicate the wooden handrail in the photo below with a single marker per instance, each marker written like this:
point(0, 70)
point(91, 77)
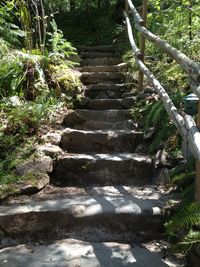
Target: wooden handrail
point(143, 44)
point(191, 67)
point(183, 122)
point(185, 125)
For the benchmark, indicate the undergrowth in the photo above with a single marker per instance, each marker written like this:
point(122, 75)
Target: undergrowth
point(33, 86)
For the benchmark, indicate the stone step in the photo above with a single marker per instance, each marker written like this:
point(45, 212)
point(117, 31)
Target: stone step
point(101, 61)
point(103, 169)
point(78, 253)
point(100, 141)
point(115, 68)
point(98, 69)
point(105, 90)
point(99, 77)
point(102, 125)
point(92, 55)
point(108, 214)
point(111, 115)
point(98, 48)
point(102, 104)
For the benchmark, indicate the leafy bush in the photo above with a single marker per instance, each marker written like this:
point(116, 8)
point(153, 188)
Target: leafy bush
point(59, 47)
point(9, 32)
point(183, 227)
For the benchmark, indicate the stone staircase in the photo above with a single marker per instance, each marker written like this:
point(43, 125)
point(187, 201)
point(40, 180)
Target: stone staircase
point(102, 208)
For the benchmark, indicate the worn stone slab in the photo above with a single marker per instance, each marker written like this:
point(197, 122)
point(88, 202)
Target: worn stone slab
point(100, 141)
point(118, 103)
point(76, 253)
point(98, 77)
point(91, 55)
point(105, 90)
point(97, 48)
point(111, 115)
point(101, 125)
point(106, 86)
point(102, 104)
point(103, 169)
point(103, 215)
point(101, 61)
point(98, 69)
point(156, 193)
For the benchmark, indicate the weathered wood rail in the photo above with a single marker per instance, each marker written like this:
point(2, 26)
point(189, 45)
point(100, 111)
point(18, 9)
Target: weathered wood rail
point(183, 122)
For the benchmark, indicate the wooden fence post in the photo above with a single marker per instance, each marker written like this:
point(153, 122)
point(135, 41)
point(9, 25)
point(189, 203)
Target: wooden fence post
point(143, 41)
point(126, 6)
point(197, 175)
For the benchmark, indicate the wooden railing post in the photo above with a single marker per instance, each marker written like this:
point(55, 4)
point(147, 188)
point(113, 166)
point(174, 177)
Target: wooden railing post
point(197, 175)
point(126, 6)
point(143, 41)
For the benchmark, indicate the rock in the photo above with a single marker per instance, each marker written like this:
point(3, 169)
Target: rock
point(122, 67)
point(52, 138)
point(73, 118)
point(33, 182)
point(149, 133)
point(84, 101)
point(49, 150)
point(162, 177)
point(29, 183)
point(149, 90)
point(143, 95)
point(130, 94)
point(141, 148)
point(160, 159)
point(129, 124)
point(128, 102)
point(15, 101)
point(39, 165)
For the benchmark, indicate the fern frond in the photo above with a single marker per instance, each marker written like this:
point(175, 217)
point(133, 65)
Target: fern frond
point(153, 109)
point(161, 136)
point(183, 177)
point(187, 217)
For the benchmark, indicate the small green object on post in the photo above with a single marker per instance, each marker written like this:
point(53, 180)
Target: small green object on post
point(190, 103)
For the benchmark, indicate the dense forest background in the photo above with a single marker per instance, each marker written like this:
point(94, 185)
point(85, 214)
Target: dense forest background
point(38, 56)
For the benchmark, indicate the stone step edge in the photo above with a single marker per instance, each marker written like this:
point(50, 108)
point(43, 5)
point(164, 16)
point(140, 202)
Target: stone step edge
point(89, 206)
point(118, 67)
point(107, 73)
point(75, 252)
point(148, 192)
point(109, 157)
point(103, 132)
point(106, 86)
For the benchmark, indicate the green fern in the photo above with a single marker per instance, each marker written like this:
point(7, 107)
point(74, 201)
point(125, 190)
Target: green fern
point(192, 238)
point(59, 46)
point(154, 109)
point(164, 132)
point(183, 178)
point(185, 218)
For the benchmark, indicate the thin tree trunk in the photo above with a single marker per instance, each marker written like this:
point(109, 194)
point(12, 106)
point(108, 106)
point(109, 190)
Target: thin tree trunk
point(190, 21)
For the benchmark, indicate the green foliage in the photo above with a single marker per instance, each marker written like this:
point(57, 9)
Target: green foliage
point(178, 23)
point(9, 31)
point(184, 222)
point(33, 85)
point(183, 227)
point(11, 76)
point(89, 25)
point(59, 47)
point(189, 217)
point(166, 134)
